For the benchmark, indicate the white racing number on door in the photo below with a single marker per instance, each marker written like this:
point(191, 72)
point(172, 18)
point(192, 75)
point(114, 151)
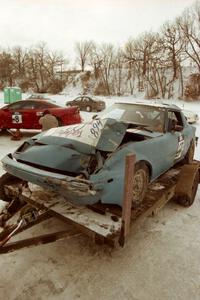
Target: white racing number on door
point(16, 118)
point(180, 148)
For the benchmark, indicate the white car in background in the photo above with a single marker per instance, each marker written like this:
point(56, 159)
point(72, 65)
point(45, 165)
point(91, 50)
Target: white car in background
point(190, 116)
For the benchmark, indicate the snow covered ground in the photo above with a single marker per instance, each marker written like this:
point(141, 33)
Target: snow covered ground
point(160, 260)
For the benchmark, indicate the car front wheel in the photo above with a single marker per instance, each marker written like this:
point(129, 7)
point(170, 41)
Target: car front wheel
point(140, 183)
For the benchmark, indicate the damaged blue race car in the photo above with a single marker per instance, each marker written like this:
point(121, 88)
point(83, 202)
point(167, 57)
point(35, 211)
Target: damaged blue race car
point(86, 162)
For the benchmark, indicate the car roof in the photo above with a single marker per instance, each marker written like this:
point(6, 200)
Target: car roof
point(152, 104)
point(36, 101)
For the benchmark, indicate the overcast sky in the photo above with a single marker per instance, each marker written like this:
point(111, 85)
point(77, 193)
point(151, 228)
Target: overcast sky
point(60, 23)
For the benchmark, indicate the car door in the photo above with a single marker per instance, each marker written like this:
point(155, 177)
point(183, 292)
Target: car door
point(24, 114)
point(37, 112)
point(87, 104)
point(15, 115)
point(78, 102)
point(30, 115)
point(38, 108)
point(167, 149)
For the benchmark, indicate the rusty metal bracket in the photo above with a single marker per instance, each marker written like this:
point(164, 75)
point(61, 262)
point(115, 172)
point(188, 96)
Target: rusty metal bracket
point(38, 240)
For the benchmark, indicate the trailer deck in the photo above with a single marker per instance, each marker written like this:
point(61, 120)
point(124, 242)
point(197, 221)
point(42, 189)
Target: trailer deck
point(108, 224)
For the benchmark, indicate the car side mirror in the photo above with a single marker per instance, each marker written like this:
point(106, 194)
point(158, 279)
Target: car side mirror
point(178, 128)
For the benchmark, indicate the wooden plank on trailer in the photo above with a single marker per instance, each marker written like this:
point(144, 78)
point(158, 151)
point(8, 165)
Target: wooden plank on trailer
point(128, 195)
point(105, 225)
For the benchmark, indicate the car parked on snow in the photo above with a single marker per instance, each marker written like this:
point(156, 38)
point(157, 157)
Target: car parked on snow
point(190, 116)
point(86, 162)
point(86, 103)
point(26, 114)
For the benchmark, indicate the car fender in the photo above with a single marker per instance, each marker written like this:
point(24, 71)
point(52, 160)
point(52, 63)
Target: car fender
point(110, 178)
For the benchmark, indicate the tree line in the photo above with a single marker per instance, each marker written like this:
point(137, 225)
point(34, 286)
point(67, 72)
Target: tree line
point(154, 62)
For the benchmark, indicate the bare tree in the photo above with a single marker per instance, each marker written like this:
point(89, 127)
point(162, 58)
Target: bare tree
point(131, 64)
point(189, 27)
point(104, 58)
point(173, 44)
point(118, 71)
point(20, 57)
point(6, 69)
point(83, 50)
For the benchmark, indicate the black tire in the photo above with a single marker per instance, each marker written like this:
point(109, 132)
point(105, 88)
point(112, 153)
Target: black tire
point(140, 183)
point(7, 179)
point(3, 130)
point(186, 199)
point(190, 154)
point(88, 108)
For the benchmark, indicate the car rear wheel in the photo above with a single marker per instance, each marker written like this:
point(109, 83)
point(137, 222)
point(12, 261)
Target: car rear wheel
point(88, 108)
point(140, 183)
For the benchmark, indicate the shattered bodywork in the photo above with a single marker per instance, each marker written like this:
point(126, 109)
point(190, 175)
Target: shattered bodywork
point(86, 162)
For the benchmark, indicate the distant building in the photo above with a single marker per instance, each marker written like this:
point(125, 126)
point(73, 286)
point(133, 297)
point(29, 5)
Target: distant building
point(64, 75)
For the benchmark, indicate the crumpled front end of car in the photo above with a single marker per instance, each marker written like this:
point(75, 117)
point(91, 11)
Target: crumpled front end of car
point(83, 163)
point(75, 189)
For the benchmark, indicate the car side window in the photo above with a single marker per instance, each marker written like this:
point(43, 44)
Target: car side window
point(22, 105)
point(175, 118)
point(41, 105)
point(15, 106)
point(28, 105)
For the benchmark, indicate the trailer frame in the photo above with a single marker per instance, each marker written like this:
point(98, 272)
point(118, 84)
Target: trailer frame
point(105, 224)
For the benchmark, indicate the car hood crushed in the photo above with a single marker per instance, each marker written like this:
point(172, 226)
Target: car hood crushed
point(75, 148)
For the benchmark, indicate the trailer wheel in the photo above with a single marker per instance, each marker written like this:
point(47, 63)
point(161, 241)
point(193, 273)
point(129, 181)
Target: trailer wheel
point(140, 183)
point(7, 179)
point(186, 197)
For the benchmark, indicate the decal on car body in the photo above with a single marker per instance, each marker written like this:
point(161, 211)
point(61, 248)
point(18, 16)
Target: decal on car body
point(16, 118)
point(181, 144)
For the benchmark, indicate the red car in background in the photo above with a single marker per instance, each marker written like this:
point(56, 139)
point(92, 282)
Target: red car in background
point(26, 114)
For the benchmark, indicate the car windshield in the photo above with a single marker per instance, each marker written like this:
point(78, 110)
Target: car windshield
point(37, 96)
point(144, 116)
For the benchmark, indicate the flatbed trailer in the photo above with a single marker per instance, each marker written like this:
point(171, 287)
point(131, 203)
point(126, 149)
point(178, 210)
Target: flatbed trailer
point(105, 224)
